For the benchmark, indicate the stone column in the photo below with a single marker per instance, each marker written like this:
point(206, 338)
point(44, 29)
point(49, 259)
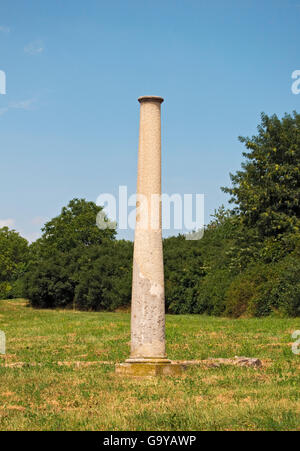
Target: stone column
point(148, 301)
point(148, 347)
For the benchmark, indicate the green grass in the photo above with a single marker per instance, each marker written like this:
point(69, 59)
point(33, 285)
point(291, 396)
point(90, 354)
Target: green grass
point(51, 392)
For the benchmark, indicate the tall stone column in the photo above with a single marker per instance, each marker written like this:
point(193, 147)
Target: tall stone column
point(148, 346)
point(148, 301)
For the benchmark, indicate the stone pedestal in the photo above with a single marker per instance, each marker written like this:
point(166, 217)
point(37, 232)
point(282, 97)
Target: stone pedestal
point(148, 345)
point(149, 369)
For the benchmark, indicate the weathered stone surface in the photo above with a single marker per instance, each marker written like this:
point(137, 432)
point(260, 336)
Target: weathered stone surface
point(148, 297)
point(216, 362)
point(149, 369)
point(148, 344)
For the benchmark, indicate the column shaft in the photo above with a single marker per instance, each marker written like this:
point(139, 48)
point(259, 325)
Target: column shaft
point(148, 300)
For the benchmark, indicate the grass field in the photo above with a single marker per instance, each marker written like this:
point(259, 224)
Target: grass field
point(53, 376)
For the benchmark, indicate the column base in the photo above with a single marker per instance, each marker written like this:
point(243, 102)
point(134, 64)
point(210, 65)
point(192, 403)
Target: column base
point(147, 368)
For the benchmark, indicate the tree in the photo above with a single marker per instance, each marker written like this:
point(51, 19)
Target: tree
point(50, 281)
point(76, 263)
point(267, 190)
point(104, 276)
point(75, 226)
point(183, 265)
point(13, 259)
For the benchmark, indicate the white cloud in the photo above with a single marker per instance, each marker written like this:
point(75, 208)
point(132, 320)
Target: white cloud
point(20, 105)
point(3, 110)
point(31, 237)
point(4, 29)
point(34, 48)
point(7, 222)
point(39, 220)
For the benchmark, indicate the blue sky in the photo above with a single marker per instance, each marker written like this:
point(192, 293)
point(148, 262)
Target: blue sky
point(69, 119)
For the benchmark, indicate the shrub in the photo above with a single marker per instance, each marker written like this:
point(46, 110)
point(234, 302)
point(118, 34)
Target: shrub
point(50, 283)
point(97, 277)
point(266, 288)
point(244, 292)
point(212, 292)
point(5, 289)
point(183, 272)
point(282, 291)
point(104, 277)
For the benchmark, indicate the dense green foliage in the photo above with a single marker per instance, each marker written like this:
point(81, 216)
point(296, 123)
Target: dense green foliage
point(183, 272)
point(247, 263)
point(267, 190)
point(74, 227)
point(252, 253)
point(104, 277)
point(248, 276)
point(76, 264)
point(13, 259)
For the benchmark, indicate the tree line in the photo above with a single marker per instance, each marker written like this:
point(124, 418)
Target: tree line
point(246, 264)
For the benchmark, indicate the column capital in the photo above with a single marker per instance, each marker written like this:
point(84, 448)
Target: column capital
point(150, 99)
